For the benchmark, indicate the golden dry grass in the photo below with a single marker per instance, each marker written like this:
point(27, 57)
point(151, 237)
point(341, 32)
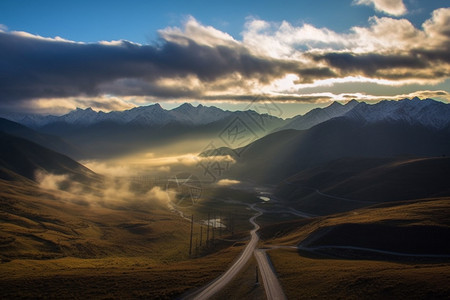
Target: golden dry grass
point(424, 212)
point(111, 277)
point(51, 247)
point(40, 224)
point(308, 278)
point(306, 275)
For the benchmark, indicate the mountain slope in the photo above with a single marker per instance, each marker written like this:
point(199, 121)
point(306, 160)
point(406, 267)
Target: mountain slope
point(326, 268)
point(319, 115)
point(282, 154)
point(365, 181)
point(104, 135)
point(49, 141)
point(420, 226)
point(26, 158)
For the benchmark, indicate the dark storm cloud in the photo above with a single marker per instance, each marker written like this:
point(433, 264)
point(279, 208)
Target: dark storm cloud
point(438, 55)
point(424, 64)
point(272, 98)
point(369, 64)
point(201, 62)
point(34, 67)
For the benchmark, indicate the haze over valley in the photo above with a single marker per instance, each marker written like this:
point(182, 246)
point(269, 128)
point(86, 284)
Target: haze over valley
point(280, 153)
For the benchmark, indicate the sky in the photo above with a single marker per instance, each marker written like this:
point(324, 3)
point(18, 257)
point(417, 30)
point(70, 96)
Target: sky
point(113, 55)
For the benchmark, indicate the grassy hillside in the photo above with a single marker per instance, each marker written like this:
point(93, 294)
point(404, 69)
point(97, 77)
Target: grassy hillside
point(25, 158)
point(414, 227)
point(417, 226)
point(280, 155)
point(311, 278)
point(323, 189)
point(57, 245)
point(45, 224)
point(49, 141)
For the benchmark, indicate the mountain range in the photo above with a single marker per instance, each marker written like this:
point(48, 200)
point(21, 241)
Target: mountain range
point(406, 128)
point(121, 132)
point(152, 115)
point(101, 135)
point(427, 112)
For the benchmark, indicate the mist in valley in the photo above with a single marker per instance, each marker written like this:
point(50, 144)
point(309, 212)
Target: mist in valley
point(138, 180)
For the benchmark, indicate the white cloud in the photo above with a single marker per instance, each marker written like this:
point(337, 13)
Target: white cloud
point(391, 7)
point(203, 35)
point(165, 197)
point(3, 27)
point(38, 37)
point(438, 27)
point(109, 192)
point(111, 168)
point(277, 59)
point(50, 181)
point(227, 182)
point(380, 37)
point(283, 40)
point(58, 106)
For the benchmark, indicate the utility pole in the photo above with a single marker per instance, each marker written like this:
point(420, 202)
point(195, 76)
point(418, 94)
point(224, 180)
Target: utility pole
point(207, 231)
point(231, 224)
point(220, 226)
point(201, 235)
point(192, 230)
point(213, 226)
point(196, 246)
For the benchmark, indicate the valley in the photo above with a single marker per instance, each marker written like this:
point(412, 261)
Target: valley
point(210, 150)
point(364, 200)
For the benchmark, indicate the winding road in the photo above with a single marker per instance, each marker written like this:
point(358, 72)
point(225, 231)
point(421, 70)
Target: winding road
point(331, 196)
point(272, 286)
point(330, 247)
point(215, 286)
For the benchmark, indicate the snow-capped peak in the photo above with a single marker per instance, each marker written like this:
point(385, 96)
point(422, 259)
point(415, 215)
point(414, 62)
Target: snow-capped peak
point(427, 112)
point(198, 115)
point(319, 115)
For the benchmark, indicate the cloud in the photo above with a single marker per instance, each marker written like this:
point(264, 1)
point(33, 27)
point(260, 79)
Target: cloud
point(202, 63)
point(165, 197)
point(36, 67)
point(227, 182)
point(59, 106)
point(115, 168)
point(391, 7)
point(50, 181)
point(111, 192)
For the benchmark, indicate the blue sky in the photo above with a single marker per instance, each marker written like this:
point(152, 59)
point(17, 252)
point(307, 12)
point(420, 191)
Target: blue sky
point(139, 20)
point(312, 51)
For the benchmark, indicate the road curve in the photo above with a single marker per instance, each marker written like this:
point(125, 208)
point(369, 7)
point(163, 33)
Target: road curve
point(328, 247)
point(271, 284)
point(226, 277)
point(331, 196)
